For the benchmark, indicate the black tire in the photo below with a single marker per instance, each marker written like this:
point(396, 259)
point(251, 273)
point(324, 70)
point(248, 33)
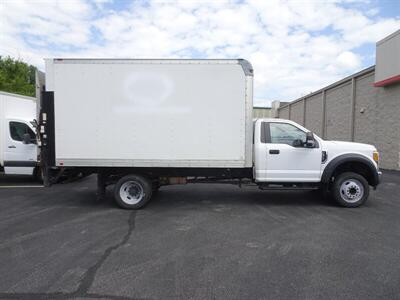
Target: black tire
point(38, 174)
point(156, 187)
point(133, 191)
point(350, 189)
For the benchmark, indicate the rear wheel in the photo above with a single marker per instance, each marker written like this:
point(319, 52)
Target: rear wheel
point(350, 189)
point(133, 191)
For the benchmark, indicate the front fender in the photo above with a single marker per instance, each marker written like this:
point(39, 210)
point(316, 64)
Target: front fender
point(345, 158)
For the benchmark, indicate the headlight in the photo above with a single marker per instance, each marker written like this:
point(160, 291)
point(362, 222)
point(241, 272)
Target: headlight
point(375, 156)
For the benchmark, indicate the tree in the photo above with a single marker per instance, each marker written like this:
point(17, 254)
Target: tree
point(17, 77)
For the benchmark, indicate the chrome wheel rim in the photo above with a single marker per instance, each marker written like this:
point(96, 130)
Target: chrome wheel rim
point(131, 192)
point(351, 190)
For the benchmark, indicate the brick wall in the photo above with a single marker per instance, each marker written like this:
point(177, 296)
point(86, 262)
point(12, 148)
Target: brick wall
point(353, 110)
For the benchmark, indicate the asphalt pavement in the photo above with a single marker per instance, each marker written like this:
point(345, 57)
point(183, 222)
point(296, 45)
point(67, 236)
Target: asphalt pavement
point(198, 241)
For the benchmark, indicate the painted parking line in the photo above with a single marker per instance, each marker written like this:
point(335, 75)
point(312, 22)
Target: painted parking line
point(19, 186)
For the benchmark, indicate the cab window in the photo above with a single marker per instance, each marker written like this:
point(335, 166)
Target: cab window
point(18, 129)
point(282, 133)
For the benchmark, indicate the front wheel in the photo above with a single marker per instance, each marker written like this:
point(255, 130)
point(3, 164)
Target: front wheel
point(133, 191)
point(38, 174)
point(350, 189)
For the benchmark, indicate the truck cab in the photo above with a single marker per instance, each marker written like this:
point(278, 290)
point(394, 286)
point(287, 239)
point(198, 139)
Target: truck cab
point(288, 155)
point(20, 149)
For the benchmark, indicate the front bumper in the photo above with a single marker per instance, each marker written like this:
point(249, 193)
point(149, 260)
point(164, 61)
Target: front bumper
point(379, 179)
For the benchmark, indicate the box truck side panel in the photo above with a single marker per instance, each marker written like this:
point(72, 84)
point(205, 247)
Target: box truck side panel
point(151, 114)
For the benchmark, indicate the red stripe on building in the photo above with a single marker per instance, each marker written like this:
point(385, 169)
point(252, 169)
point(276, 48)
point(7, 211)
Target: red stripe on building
point(388, 81)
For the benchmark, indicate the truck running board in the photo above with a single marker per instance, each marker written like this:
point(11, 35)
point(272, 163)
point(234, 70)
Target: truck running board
point(289, 186)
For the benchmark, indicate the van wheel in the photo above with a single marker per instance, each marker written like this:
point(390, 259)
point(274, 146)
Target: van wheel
point(133, 191)
point(38, 174)
point(350, 189)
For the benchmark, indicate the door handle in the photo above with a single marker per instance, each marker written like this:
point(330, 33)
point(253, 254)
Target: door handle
point(273, 151)
point(12, 147)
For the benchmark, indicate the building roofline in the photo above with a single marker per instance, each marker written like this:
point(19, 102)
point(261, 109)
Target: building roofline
point(17, 95)
point(337, 83)
point(390, 36)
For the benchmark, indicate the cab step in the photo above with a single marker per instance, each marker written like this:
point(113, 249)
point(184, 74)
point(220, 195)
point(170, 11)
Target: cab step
point(288, 186)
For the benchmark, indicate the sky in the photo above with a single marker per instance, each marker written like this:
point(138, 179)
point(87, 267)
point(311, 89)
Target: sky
point(295, 47)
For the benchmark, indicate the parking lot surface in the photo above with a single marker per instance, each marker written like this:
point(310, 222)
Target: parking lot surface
point(198, 242)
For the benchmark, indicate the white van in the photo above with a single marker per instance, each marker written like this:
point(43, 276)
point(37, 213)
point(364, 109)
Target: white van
point(18, 148)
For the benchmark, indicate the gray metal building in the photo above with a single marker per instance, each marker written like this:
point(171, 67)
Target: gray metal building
point(364, 107)
point(261, 112)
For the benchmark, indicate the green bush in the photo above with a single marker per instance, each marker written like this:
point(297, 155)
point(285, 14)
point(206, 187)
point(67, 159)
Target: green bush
point(17, 77)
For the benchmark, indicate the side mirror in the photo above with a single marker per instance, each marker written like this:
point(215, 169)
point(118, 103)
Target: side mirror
point(26, 139)
point(310, 140)
point(297, 143)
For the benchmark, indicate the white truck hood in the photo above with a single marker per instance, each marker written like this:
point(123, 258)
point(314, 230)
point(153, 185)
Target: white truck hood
point(349, 146)
point(337, 148)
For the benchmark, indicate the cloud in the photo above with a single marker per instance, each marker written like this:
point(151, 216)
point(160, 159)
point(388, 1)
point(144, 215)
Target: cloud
point(348, 60)
point(295, 47)
point(30, 29)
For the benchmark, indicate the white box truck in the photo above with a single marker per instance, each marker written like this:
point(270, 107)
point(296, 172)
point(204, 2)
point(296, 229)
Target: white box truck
point(142, 124)
point(18, 149)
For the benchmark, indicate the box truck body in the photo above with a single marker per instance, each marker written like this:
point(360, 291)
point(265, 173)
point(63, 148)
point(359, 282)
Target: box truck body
point(17, 114)
point(151, 113)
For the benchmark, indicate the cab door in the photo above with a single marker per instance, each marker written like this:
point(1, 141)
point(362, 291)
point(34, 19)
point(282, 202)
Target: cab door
point(19, 158)
point(288, 157)
point(281, 154)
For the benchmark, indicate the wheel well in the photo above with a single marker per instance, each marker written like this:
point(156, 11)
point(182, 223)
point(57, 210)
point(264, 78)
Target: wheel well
point(355, 167)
